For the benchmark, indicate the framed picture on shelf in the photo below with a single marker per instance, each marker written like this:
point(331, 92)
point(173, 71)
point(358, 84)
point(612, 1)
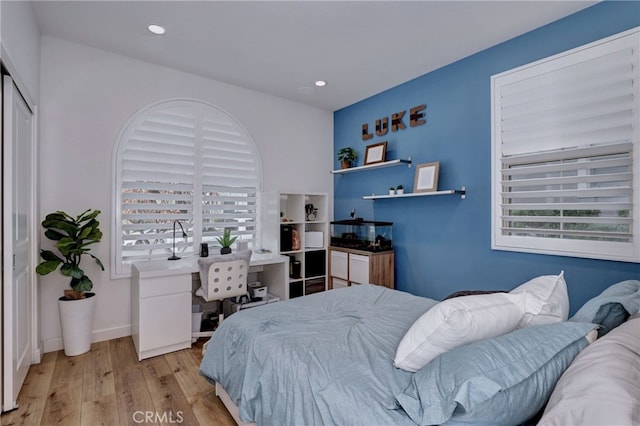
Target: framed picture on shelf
point(426, 179)
point(375, 153)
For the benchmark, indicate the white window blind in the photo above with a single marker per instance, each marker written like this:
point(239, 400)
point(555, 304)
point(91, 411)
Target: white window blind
point(565, 153)
point(183, 161)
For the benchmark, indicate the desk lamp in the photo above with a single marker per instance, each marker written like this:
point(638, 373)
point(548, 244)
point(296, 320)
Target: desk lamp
point(184, 235)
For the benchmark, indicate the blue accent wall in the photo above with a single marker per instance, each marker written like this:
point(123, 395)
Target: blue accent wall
point(443, 243)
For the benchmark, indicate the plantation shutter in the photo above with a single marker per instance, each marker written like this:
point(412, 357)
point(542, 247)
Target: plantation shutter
point(158, 177)
point(189, 162)
point(229, 181)
point(565, 150)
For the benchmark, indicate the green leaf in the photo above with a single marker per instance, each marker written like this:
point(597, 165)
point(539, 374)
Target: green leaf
point(69, 227)
point(85, 233)
point(96, 235)
point(58, 216)
point(65, 246)
point(49, 255)
point(48, 266)
point(83, 284)
point(88, 215)
point(71, 270)
point(54, 235)
point(97, 261)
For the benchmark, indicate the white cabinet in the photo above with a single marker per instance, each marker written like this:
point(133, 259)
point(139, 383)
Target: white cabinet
point(161, 299)
point(160, 310)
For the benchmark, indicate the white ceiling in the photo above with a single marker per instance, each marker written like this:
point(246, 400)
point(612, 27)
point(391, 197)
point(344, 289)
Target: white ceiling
point(360, 47)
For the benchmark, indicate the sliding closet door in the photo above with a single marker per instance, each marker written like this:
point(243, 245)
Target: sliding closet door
point(17, 280)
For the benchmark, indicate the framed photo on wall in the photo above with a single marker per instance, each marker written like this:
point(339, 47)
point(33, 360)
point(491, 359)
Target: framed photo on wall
point(426, 179)
point(375, 153)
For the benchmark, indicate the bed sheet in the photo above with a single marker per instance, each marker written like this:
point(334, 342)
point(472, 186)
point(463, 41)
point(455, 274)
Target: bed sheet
point(325, 358)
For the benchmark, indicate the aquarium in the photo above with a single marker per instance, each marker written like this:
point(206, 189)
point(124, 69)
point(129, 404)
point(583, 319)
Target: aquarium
point(362, 234)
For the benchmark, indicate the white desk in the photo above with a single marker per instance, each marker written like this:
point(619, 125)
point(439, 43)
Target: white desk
point(161, 299)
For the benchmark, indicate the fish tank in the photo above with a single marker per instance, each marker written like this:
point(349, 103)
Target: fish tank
point(364, 235)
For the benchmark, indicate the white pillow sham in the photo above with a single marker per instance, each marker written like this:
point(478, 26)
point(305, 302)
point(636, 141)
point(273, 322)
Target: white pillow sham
point(546, 300)
point(602, 384)
point(456, 322)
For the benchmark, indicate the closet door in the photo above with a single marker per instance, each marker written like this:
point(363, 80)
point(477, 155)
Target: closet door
point(17, 213)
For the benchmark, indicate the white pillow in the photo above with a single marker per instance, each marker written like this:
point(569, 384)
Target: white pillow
point(601, 386)
point(546, 300)
point(456, 322)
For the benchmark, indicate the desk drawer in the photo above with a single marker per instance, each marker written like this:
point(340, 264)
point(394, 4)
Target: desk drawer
point(159, 286)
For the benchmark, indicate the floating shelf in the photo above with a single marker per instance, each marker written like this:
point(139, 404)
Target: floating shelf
point(462, 192)
point(389, 163)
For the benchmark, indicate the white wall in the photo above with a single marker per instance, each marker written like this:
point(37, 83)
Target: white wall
point(20, 39)
point(87, 97)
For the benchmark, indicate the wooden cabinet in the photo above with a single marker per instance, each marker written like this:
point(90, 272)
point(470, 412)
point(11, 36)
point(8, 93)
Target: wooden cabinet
point(348, 267)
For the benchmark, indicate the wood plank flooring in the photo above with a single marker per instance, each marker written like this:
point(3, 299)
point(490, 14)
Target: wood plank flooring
point(108, 386)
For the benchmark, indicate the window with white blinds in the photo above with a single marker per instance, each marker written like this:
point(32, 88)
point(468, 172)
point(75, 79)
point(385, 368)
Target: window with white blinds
point(182, 164)
point(565, 153)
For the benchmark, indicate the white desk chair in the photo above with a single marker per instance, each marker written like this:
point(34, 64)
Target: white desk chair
point(223, 276)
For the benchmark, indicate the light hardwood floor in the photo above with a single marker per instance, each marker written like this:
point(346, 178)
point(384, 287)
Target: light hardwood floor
point(108, 386)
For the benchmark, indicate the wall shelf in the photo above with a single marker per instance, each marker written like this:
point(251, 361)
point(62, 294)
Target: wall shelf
point(390, 163)
point(462, 192)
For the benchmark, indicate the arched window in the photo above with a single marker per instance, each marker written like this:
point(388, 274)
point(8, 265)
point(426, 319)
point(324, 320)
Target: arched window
point(182, 163)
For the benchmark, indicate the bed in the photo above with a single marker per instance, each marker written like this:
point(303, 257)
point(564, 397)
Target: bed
point(340, 357)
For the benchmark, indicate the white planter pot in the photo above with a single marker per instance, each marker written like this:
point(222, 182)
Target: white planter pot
point(76, 318)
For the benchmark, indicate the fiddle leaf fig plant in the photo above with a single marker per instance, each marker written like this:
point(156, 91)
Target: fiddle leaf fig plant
point(72, 236)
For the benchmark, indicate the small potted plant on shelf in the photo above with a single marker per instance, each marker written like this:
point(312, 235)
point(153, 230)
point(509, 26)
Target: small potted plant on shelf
point(392, 190)
point(73, 236)
point(225, 241)
point(347, 156)
point(399, 189)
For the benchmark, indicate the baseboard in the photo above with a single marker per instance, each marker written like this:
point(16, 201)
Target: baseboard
point(55, 344)
point(36, 354)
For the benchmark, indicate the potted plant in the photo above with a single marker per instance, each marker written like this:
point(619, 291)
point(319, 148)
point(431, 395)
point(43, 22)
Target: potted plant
point(392, 190)
point(400, 189)
point(347, 156)
point(73, 236)
point(225, 241)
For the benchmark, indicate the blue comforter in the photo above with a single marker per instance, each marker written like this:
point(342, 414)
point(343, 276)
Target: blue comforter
point(323, 359)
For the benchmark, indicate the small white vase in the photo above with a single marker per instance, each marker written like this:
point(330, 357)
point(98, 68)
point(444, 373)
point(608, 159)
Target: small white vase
point(392, 192)
point(76, 319)
point(399, 191)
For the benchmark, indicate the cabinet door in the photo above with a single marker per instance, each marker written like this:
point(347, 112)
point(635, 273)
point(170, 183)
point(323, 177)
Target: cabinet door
point(339, 264)
point(165, 320)
point(359, 268)
point(338, 283)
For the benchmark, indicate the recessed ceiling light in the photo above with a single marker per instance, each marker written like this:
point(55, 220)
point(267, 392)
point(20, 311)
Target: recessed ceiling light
point(320, 83)
point(156, 29)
